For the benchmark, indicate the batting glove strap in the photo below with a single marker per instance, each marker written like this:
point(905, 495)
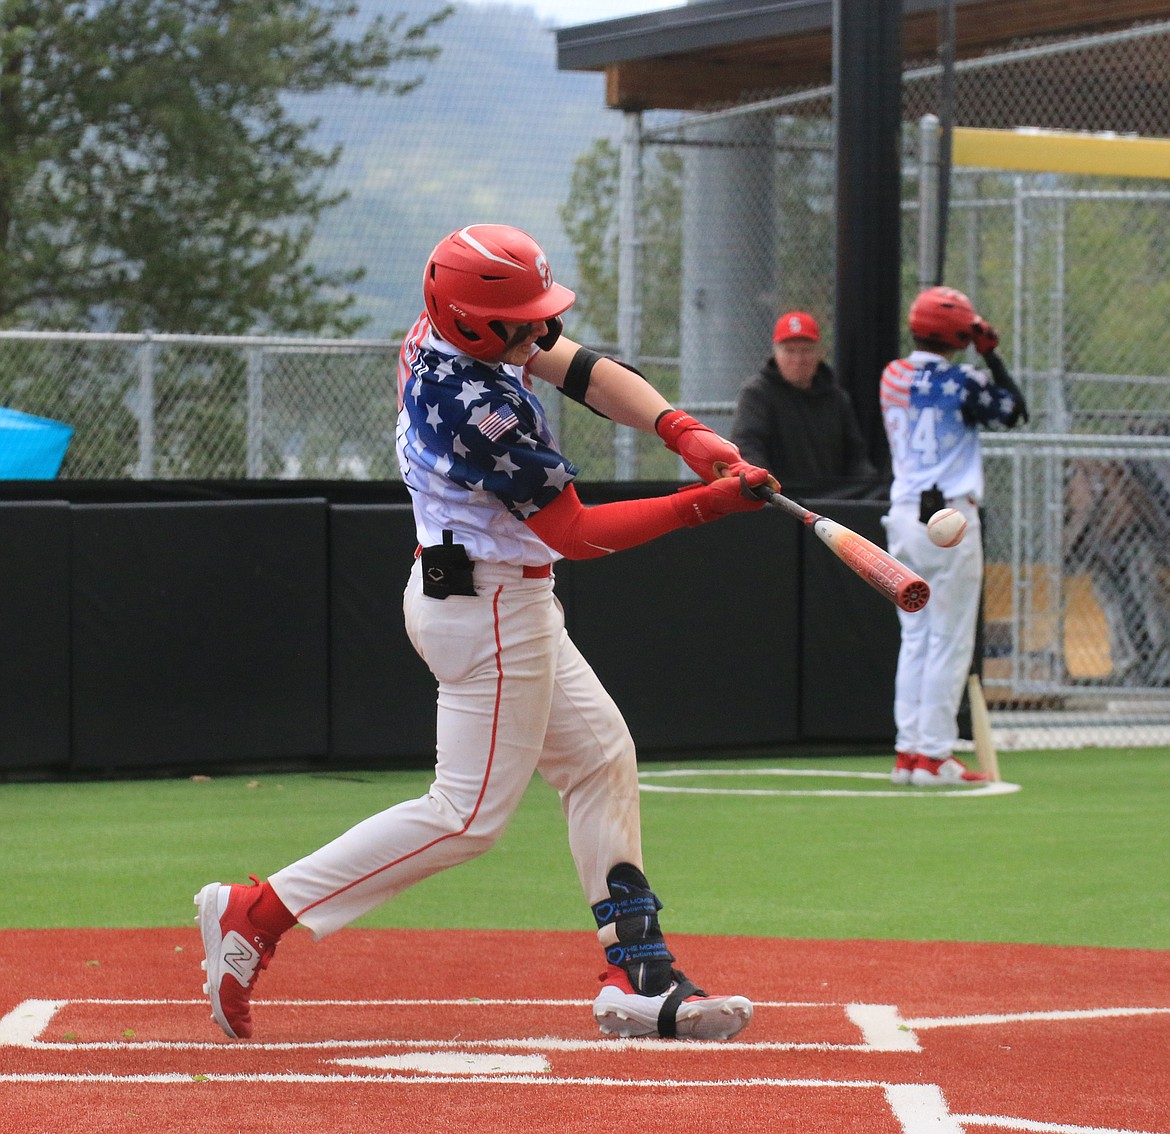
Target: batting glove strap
point(700, 447)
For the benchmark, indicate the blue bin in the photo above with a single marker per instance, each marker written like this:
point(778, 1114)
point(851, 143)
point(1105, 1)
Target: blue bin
point(31, 448)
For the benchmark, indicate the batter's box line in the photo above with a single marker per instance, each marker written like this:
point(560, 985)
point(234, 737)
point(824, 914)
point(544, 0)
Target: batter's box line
point(880, 1025)
point(919, 1108)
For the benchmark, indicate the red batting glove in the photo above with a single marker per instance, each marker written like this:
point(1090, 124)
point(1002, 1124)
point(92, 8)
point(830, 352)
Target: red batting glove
point(699, 446)
point(756, 476)
point(703, 503)
point(983, 335)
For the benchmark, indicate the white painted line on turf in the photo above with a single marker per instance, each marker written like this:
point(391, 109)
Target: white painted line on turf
point(1029, 1017)
point(915, 1105)
point(921, 1109)
point(453, 1063)
point(530, 1043)
point(882, 1028)
point(999, 1122)
point(530, 1080)
point(998, 787)
point(878, 1024)
point(21, 1026)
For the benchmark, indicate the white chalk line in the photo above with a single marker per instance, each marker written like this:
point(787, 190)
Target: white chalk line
point(919, 1108)
point(997, 787)
point(879, 1025)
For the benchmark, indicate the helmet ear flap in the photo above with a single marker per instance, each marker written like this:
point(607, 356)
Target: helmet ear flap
point(555, 327)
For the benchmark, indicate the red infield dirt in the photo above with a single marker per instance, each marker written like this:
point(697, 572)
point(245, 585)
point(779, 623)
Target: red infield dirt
point(406, 1032)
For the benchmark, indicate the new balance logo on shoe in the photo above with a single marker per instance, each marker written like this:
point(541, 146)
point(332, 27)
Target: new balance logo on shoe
point(240, 957)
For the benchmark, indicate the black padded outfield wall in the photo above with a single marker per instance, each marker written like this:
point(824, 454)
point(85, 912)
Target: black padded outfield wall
point(696, 634)
point(850, 637)
point(186, 636)
point(382, 696)
point(34, 635)
point(200, 633)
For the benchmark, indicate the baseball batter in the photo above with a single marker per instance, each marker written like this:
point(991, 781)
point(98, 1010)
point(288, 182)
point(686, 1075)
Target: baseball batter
point(932, 409)
point(495, 508)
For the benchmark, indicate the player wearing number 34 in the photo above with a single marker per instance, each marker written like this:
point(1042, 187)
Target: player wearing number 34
point(494, 509)
point(933, 409)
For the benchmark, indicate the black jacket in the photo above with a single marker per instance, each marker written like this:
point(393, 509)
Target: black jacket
point(799, 434)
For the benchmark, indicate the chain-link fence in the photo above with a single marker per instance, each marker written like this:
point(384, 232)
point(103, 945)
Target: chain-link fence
point(198, 407)
point(1074, 270)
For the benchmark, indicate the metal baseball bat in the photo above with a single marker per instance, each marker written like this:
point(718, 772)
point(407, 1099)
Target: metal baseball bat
point(878, 568)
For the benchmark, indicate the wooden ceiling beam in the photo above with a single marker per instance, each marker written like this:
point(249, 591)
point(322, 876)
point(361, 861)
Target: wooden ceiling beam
point(729, 73)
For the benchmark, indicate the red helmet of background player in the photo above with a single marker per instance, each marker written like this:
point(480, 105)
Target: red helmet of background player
point(943, 318)
point(485, 275)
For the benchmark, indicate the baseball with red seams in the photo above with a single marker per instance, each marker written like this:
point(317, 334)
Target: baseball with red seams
point(946, 527)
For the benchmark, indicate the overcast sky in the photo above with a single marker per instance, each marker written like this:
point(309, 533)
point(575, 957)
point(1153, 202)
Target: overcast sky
point(562, 13)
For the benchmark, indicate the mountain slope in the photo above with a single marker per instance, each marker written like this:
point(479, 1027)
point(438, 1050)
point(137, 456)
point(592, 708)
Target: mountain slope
point(491, 135)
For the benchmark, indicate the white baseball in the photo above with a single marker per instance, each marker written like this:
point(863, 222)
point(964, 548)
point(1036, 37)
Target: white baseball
point(946, 527)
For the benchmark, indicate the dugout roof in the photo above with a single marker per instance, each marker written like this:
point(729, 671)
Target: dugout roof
point(718, 52)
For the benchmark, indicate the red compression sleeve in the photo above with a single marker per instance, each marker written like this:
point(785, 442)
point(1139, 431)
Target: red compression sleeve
point(577, 532)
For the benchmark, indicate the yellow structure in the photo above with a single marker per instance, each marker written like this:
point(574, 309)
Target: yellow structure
point(1062, 151)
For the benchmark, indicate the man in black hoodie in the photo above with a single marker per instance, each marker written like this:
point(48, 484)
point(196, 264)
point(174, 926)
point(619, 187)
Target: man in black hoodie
point(792, 417)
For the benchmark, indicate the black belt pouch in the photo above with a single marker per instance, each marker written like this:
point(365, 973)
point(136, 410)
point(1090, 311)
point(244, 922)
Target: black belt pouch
point(447, 570)
point(930, 502)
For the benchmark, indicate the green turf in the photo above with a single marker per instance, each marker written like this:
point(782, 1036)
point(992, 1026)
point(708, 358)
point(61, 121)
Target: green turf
point(1076, 857)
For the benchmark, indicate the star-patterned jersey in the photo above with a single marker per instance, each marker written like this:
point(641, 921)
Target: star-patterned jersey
point(475, 450)
point(931, 409)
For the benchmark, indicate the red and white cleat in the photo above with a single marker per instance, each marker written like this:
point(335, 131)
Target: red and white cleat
point(931, 772)
point(235, 953)
point(682, 1011)
point(903, 767)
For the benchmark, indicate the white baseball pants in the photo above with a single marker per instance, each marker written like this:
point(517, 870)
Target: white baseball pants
point(938, 641)
point(515, 697)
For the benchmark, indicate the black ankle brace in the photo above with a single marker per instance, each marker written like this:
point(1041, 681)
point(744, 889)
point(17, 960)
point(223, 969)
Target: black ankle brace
point(627, 927)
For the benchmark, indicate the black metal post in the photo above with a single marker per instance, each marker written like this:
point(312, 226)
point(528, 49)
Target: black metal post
point(867, 112)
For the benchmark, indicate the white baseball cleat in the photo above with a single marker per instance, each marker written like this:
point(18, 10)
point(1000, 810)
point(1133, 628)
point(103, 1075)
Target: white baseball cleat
point(682, 1011)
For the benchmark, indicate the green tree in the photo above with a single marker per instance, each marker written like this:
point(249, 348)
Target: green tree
point(591, 223)
point(151, 173)
point(590, 219)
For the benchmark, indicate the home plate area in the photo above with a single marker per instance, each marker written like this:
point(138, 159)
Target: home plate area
point(387, 1030)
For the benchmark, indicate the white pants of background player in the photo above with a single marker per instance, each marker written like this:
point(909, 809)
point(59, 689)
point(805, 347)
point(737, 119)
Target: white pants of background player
point(937, 641)
point(515, 697)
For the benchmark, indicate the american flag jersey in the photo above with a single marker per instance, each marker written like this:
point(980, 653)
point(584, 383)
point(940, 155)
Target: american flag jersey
point(475, 450)
point(931, 409)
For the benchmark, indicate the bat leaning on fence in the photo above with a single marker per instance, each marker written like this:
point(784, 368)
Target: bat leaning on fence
point(985, 754)
point(877, 567)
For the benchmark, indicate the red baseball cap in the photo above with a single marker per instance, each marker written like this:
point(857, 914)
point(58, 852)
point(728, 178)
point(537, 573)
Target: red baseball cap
point(796, 325)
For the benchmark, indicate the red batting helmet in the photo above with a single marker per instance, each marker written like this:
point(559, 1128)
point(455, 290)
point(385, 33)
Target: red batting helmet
point(942, 317)
point(484, 275)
